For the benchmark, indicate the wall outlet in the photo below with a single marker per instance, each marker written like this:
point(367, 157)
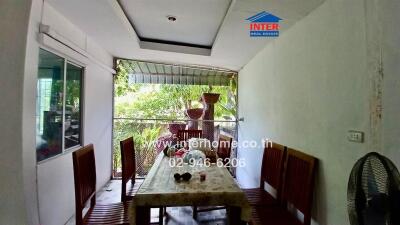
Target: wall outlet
point(355, 136)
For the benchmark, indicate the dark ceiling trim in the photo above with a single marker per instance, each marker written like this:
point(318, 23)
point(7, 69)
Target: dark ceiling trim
point(174, 43)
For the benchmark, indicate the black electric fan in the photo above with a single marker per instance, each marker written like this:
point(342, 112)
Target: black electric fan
point(373, 195)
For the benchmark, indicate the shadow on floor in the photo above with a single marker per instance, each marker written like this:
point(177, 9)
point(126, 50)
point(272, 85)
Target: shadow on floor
point(111, 193)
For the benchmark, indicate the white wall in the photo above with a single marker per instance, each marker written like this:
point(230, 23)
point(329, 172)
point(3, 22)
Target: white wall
point(44, 193)
point(29, 111)
point(55, 176)
point(391, 84)
point(17, 206)
point(98, 119)
point(306, 90)
point(335, 70)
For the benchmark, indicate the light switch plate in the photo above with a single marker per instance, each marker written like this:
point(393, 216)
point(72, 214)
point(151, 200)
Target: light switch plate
point(355, 136)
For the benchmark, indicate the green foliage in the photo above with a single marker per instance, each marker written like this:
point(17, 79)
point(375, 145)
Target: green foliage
point(144, 134)
point(121, 79)
point(171, 101)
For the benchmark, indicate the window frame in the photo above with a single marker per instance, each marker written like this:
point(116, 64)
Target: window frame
point(67, 60)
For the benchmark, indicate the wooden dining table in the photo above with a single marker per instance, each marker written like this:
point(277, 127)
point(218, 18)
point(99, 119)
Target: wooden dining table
point(160, 189)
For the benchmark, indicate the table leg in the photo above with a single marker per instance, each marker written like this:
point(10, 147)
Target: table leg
point(142, 215)
point(233, 214)
point(194, 212)
point(161, 212)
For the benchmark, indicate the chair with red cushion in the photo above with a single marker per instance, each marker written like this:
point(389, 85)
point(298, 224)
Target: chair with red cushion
point(128, 162)
point(271, 173)
point(297, 193)
point(85, 191)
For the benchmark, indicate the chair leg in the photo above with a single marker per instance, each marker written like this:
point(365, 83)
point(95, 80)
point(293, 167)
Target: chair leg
point(233, 215)
point(144, 211)
point(123, 191)
point(194, 212)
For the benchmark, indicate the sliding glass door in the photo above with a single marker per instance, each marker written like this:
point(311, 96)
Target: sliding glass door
point(58, 105)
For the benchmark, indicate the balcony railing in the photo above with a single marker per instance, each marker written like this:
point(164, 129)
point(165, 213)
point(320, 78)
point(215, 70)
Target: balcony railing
point(149, 137)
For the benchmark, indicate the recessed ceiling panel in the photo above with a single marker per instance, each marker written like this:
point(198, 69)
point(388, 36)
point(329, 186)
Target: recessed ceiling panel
point(182, 22)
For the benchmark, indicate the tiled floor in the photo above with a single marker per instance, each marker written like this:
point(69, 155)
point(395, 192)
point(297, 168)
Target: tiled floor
point(111, 193)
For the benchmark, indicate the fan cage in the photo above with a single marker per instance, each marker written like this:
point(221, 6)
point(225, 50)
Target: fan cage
point(373, 189)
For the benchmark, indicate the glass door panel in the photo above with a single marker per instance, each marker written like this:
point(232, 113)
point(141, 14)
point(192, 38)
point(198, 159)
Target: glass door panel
point(73, 106)
point(49, 105)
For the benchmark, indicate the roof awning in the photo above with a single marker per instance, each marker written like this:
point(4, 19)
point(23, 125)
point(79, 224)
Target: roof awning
point(161, 73)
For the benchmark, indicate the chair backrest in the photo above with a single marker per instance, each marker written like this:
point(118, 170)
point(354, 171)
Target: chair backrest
point(85, 179)
point(298, 185)
point(128, 162)
point(272, 166)
point(224, 147)
point(185, 135)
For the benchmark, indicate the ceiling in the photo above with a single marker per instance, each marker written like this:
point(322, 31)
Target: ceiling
point(191, 27)
point(222, 26)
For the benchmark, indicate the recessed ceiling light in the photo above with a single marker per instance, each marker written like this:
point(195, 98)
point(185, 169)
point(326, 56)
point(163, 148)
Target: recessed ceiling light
point(171, 18)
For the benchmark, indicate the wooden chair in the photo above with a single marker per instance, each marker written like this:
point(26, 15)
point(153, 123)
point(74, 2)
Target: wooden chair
point(272, 174)
point(184, 135)
point(85, 191)
point(224, 147)
point(297, 193)
point(128, 162)
point(223, 152)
